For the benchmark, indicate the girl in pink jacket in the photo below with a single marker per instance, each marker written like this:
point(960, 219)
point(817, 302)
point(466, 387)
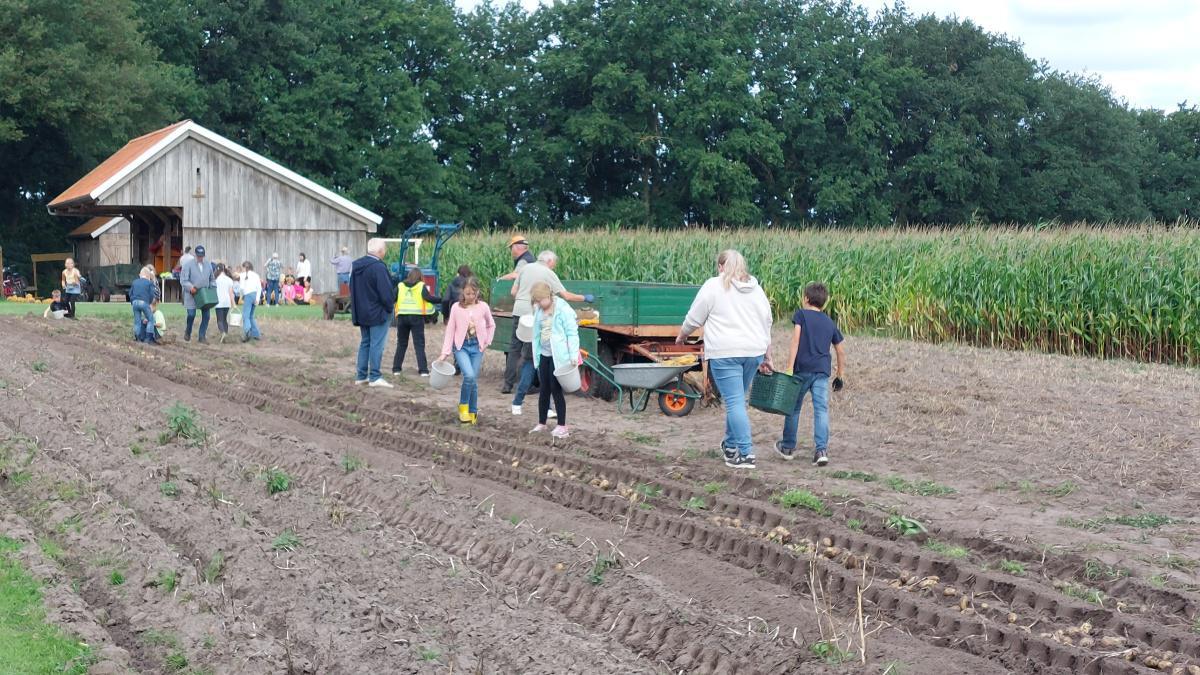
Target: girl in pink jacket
point(468, 333)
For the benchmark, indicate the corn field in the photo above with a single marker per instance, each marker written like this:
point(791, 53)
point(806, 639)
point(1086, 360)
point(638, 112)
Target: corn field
point(1125, 292)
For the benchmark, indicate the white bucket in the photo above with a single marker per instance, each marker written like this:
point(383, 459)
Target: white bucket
point(58, 313)
point(568, 377)
point(441, 374)
point(525, 328)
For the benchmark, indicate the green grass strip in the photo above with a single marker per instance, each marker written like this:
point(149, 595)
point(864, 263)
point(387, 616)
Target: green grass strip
point(27, 643)
point(172, 311)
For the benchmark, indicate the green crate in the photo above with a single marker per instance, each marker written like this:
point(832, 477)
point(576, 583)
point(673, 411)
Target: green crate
point(776, 393)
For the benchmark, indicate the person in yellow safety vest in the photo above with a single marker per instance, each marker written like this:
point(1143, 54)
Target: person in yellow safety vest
point(413, 304)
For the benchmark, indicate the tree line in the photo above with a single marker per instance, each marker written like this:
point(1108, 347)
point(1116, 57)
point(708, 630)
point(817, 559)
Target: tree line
point(666, 113)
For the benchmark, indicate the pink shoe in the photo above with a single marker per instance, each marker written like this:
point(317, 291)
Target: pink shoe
point(538, 429)
point(560, 432)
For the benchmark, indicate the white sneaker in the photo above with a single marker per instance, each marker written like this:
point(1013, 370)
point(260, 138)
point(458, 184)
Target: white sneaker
point(382, 383)
point(360, 382)
point(424, 374)
point(516, 410)
point(538, 429)
point(551, 413)
point(560, 432)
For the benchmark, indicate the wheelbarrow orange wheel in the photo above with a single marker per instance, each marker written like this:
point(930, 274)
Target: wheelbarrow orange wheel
point(676, 402)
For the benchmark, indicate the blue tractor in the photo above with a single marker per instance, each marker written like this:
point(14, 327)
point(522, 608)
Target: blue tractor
point(410, 256)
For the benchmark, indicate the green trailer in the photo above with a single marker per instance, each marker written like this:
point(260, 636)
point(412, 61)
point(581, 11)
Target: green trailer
point(636, 322)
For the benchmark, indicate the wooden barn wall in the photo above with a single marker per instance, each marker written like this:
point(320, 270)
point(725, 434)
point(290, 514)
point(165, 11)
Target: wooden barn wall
point(320, 246)
point(245, 214)
point(111, 248)
point(87, 253)
point(115, 245)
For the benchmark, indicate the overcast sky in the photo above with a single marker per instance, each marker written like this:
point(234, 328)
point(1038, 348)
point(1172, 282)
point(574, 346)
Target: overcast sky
point(1147, 51)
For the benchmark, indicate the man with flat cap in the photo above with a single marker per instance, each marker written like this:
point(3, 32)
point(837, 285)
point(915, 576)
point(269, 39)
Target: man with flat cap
point(521, 255)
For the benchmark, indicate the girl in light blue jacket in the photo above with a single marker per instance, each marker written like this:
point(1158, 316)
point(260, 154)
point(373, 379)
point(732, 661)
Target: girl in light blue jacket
point(555, 344)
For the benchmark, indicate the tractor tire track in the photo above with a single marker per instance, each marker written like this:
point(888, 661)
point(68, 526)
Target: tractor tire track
point(933, 619)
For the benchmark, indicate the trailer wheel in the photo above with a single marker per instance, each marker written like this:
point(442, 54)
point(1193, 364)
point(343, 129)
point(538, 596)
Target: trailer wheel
point(676, 402)
point(594, 385)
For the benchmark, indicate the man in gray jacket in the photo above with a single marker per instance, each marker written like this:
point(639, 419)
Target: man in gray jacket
point(194, 275)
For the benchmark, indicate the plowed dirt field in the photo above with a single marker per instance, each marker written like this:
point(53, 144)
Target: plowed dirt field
point(1058, 498)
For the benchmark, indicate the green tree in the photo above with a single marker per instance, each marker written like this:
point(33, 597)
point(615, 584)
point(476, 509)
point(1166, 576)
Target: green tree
point(1082, 155)
point(829, 92)
point(323, 88)
point(77, 80)
point(1170, 183)
point(959, 110)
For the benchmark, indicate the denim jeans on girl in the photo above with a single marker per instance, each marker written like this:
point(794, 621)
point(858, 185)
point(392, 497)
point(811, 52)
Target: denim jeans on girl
point(249, 324)
point(818, 385)
point(733, 377)
point(142, 332)
point(469, 358)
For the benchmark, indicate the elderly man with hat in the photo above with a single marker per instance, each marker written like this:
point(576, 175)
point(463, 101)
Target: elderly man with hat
point(195, 274)
point(522, 256)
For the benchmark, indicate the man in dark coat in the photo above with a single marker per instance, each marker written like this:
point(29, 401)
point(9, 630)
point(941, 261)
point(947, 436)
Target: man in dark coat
point(194, 274)
point(372, 299)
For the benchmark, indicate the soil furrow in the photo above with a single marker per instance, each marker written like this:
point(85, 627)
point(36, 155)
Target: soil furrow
point(934, 618)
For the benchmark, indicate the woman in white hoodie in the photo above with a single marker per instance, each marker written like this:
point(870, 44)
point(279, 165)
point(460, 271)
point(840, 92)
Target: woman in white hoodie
point(736, 317)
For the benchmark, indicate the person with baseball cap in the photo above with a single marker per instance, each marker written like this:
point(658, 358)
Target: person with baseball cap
point(197, 273)
point(522, 256)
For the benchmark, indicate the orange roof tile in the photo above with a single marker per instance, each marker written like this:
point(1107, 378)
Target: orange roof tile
point(90, 226)
point(114, 164)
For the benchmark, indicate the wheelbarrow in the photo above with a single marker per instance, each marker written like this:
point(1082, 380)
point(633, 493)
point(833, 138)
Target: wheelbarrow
point(635, 382)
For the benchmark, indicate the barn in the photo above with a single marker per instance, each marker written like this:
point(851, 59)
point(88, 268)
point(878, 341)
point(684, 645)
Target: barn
point(102, 241)
point(185, 185)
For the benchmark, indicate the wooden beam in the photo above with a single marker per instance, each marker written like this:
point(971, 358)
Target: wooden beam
point(50, 257)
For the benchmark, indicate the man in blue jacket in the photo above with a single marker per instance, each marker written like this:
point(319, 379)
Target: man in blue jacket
point(372, 298)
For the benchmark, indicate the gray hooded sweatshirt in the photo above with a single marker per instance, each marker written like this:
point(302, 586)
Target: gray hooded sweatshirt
point(736, 321)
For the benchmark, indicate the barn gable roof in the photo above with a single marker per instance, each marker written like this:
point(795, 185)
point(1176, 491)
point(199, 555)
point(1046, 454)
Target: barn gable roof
point(115, 171)
point(95, 227)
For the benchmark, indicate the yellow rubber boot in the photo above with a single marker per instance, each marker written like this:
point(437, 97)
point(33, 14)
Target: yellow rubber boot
point(463, 415)
point(474, 418)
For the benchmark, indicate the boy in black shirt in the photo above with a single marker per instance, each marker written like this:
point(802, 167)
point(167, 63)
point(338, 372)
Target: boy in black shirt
point(57, 304)
point(815, 333)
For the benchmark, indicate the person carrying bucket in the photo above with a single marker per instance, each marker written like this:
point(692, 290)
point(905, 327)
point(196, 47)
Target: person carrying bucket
point(556, 349)
point(469, 331)
point(531, 275)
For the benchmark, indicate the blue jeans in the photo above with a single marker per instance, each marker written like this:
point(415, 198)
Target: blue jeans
point(272, 291)
point(733, 377)
point(141, 312)
point(528, 372)
point(249, 323)
point(818, 384)
point(343, 278)
point(469, 358)
point(191, 317)
point(370, 350)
